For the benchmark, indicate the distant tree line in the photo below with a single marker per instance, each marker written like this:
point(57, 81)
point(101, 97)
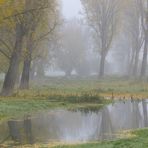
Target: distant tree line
point(110, 38)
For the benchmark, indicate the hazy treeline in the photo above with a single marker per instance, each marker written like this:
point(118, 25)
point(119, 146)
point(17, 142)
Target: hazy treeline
point(111, 37)
point(120, 26)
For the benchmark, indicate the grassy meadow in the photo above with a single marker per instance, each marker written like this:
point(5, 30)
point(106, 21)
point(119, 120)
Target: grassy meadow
point(135, 139)
point(138, 139)
point(71, 93)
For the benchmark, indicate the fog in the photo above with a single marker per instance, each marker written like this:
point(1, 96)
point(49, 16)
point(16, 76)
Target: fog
point(81, 38)
point(118, 57)
point(73, 72)
point(71, 9)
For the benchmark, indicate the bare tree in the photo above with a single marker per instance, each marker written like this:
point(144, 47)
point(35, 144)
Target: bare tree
point(47, 19)
point(15, 56)
point(73, 47)
point(136, 36)
point(143, 7)
point(25, 21)
point(102, 17)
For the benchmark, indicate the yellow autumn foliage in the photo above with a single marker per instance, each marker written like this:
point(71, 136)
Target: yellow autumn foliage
point(2, 1)
point(8, 8)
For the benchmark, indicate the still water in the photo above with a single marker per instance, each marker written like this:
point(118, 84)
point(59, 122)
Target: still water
point(78, 126)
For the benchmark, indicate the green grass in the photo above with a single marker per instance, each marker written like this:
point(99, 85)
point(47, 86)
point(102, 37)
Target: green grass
point(83, 94)
point(118, 86)
point(15, 106)
point(135, 139)
point(71, 93)
point(140, 140)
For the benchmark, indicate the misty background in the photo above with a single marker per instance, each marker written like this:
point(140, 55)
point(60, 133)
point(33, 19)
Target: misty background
point(80, 38)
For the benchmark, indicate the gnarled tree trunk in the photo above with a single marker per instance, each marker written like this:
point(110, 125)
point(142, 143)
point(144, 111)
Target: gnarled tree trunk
point(25, 74)
point(27, 66)
point(11, 75)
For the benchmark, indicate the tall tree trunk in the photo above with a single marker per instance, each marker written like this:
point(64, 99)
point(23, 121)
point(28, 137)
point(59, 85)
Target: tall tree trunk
point(102, 65)
point(27, 66)
point(25, 74)
point(135, 68)
point(144, 61)
point(130, 66)
point(11, 75)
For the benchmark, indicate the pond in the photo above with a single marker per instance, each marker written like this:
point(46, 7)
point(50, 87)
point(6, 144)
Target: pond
point(79, 125)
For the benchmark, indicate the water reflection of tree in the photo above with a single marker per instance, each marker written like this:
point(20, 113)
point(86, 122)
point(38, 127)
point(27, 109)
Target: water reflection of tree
point(126, 115)
point(121, 115)
point(4, 132)
point(136, 116)
point(45, 127)
point(106, 128)
point(145, 114)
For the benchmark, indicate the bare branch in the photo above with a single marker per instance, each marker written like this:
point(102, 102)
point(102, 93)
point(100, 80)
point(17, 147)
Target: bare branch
point(5, 54)
point(6, 45)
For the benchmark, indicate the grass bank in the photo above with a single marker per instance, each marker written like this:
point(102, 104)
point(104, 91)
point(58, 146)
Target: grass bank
point(19, 105)
point(71, 93)
point(138, 139)
point(119, 87)
point(135, 139)
point(76, 94)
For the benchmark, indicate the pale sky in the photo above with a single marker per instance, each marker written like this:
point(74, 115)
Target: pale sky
point(71, 8)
